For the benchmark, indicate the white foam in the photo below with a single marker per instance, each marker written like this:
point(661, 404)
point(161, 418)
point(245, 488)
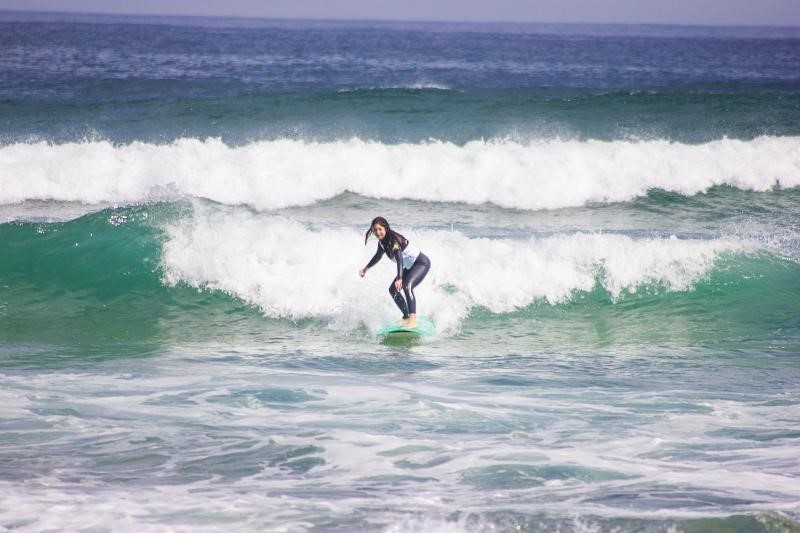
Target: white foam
point(290, 270)
point(387, 424)
point(279, 173)
point(412, 524)
point(419, 85)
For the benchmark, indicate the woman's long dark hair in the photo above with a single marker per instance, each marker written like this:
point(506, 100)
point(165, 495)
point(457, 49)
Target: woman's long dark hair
point(390, 233)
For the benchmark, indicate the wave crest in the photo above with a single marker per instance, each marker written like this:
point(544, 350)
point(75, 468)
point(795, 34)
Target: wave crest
point(280, 173)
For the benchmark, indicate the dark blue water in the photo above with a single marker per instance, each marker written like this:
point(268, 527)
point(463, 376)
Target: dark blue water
point(68, 77)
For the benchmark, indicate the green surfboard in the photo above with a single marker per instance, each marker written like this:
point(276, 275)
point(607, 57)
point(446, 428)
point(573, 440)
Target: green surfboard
point(425, 328)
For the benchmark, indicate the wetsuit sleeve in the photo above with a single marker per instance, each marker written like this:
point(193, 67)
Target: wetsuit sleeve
point(375, 258)
point(397, 252)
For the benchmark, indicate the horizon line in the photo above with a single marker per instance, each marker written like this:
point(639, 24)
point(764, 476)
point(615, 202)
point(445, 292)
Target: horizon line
point(407, 21)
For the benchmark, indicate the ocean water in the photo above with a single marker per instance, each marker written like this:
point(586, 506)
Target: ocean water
point(613, 218)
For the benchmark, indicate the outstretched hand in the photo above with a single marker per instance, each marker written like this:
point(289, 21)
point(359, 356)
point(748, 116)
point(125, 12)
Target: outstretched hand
point(362, 272)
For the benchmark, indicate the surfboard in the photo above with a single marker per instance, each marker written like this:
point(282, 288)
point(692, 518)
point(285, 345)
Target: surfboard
point(425, 328)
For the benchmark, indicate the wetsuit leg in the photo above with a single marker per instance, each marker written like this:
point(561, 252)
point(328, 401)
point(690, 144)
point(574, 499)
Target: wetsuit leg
point(412, 278)
point(398, 299)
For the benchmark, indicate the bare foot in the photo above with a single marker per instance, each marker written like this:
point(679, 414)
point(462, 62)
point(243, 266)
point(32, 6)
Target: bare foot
point(411, 323)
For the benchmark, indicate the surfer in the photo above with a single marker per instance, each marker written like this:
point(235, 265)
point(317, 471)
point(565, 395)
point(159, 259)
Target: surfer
point(412, 266)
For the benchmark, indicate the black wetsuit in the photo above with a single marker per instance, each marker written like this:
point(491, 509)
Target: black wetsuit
point(393, 247)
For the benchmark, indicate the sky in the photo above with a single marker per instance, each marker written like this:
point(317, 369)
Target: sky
point(703, 12)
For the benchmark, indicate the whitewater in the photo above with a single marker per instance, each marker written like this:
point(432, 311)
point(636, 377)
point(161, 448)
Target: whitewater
point(274, 263)
point(546, 174)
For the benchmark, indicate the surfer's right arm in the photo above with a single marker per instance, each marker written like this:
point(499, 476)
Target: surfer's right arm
point(375, 259)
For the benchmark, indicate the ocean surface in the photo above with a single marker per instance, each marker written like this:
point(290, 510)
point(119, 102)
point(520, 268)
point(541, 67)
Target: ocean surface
point(613, 218)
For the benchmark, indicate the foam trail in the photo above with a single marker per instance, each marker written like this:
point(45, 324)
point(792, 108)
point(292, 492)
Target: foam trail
point(289, 270)
point(280, 173)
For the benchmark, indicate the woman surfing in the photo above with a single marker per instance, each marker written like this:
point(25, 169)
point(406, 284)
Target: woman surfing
point(412, 266)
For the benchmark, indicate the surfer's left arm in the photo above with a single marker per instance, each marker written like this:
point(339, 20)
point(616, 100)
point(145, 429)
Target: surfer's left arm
point(397, 252)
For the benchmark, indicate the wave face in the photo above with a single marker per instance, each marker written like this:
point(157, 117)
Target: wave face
point(293, 270)
point(142, 265)
point(283, 275)
point(276, 174)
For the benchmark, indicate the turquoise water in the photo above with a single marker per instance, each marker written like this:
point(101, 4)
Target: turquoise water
point(613, 219)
